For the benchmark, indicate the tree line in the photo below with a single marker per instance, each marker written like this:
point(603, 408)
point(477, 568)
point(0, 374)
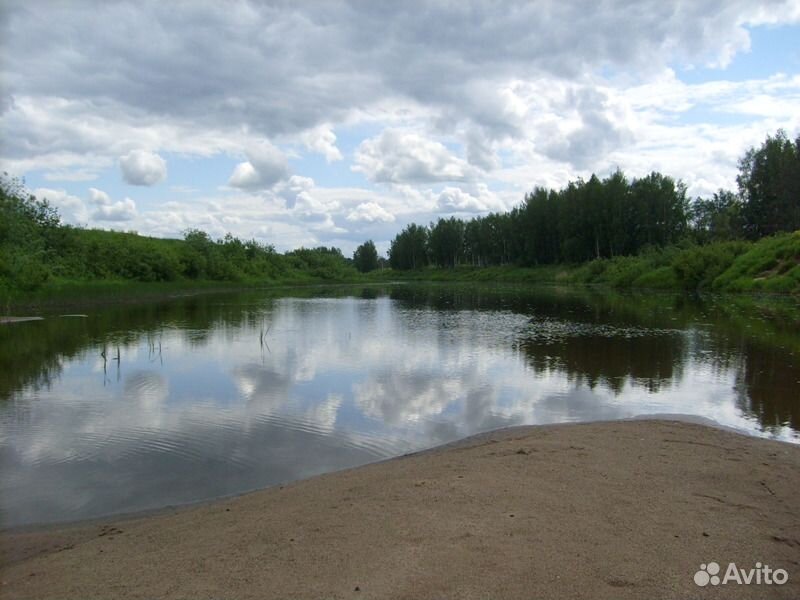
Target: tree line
point(585, 220)
point(615, 216)
point(36, 248)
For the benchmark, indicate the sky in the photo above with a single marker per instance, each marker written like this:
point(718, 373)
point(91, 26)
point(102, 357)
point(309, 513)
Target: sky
point(330, 123)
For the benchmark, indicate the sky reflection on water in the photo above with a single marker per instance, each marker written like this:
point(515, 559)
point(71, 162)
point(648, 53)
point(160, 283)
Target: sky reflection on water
point(221, 394)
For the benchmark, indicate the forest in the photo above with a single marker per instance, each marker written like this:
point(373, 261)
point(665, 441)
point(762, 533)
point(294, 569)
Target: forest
point(616, 216)
point(616, 230)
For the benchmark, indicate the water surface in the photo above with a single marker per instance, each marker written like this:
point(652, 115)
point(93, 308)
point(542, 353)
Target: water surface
point(140, 407)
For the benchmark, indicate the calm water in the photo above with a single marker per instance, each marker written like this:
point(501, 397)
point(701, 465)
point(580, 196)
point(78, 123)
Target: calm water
point(141, 407)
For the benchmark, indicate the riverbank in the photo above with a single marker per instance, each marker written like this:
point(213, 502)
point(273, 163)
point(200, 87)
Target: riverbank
point(83, 294)
point(770, 265)
point(603, 510)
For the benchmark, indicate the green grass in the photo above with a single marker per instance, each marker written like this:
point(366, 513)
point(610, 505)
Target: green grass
point(769, 265)
point(61, 292)
point(499, 274)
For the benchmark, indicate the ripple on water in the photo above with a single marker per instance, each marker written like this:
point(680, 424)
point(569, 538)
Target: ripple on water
point(547, 329)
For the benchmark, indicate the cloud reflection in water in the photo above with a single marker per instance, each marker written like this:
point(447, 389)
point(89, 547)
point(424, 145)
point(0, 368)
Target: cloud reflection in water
point(340, 381)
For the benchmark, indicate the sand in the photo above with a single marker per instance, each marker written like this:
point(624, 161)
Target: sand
point(606, 510)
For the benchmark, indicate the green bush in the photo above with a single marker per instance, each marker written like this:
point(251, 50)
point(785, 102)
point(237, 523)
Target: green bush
point(662, 278)
point(29, 273)
point(696, 268)
point(772, 264)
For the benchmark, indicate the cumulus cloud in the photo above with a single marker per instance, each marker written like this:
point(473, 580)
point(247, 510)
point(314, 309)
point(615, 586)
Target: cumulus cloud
point(370, 212)
point(124, 210)
point(323, 141)
point(447, 93)
point(143, 168)
point(405, 157)
point(421, 50)
point(266, 165)
point(302, 202)
point(245, 176)
point(99, 197)
point(308, 207)
point(592, 133)
point(90, 94)
point(108, 210)
point(456, 200)
point(290, 189)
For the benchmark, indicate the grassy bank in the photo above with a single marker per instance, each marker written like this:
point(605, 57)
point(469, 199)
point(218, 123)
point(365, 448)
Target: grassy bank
point(66, 293)
point(769, 265)
point(43, 260)
point(462, 273)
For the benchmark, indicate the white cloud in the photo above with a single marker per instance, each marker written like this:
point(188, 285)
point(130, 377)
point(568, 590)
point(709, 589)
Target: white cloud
point(245, 176)
point(108, 210)
point(302, 203)
point(124, 210)
point(456, 200)
point(323, 141)
point(370, 212)
point(291, 188)
point(405, 157)
point(99, 197)
point(266, 165)
point(437, 98)
point(83, 174)
point(143, 168)
point(309, 207)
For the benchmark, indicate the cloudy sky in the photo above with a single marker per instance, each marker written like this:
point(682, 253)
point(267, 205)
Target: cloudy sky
point(333, 122)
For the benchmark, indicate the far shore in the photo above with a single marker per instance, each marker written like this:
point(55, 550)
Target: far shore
point(103, 293)
point(626, 509)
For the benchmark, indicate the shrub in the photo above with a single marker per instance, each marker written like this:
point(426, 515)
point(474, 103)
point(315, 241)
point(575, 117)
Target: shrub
point(695, 268)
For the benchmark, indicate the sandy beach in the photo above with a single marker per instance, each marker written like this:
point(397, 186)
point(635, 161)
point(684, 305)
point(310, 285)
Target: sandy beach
point(605, 510)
